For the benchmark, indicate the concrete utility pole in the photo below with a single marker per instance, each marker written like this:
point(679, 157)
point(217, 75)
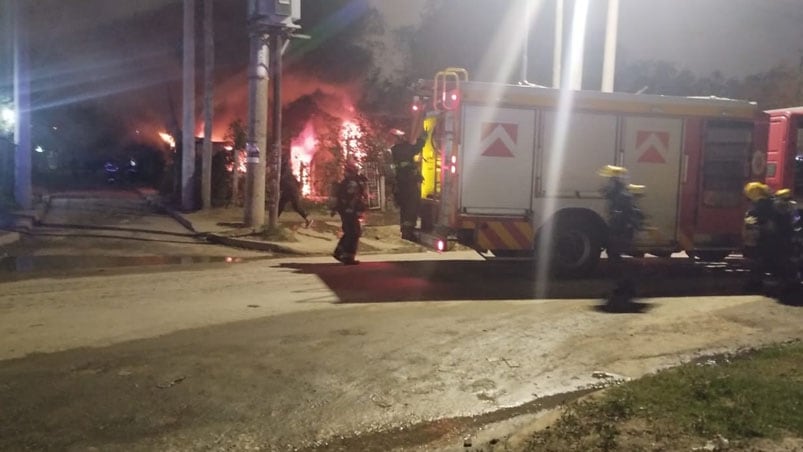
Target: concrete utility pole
point(257, 122)
point(577, 44)
point(609, 61)
point(23, 191)
point(188, 101)
point(557, 51)
point(276, 39)
point(209, 87)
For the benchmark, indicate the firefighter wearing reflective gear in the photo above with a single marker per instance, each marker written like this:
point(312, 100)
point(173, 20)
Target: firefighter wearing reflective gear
point(408, 182)
point(768, 231)
point(350, 202)
point(624, 219)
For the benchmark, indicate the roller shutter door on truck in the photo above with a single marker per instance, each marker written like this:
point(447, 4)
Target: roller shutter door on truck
point(496, 162)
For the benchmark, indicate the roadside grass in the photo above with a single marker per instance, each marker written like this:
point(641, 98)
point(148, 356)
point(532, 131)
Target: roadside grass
point(277, 234)
point(724, 402)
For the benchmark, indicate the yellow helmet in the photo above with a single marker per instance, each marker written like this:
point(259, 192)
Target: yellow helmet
point(636, 189)
point(756, 190)
point(612, 171)
point(784, 193)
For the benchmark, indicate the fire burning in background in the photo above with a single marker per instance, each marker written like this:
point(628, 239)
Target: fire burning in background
point(167, 138)
point(302, 149)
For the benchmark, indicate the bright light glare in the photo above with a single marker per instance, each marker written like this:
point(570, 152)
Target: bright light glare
point(39, 149)
point(441, 245)
point(552, 177)
point(8, 116)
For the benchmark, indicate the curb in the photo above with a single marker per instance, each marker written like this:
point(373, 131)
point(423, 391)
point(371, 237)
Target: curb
point(156, 202)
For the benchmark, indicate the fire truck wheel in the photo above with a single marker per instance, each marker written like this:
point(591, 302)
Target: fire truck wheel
point(574, 247)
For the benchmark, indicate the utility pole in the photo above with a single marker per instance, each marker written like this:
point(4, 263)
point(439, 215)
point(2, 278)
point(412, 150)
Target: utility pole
point(609, 57)
point(577, 44)
point(209, 87)
point(557, 51)
point(188, 101)
point(277, 17)
point(23, 191)
point(257, 121)
point(276, 39)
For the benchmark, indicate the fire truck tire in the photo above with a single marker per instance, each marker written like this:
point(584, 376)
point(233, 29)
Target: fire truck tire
point(575, 246)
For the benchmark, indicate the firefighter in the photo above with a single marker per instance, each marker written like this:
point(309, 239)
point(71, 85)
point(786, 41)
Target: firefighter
point(290, 192)
point(350, 202)
point(768, 232)
point(408, 182)
point(624, 219)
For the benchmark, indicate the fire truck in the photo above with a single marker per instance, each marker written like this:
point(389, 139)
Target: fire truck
point(784, 165)
point(511, 170)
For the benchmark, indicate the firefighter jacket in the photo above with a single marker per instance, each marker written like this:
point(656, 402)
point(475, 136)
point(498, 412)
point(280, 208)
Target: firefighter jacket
point(352, 195)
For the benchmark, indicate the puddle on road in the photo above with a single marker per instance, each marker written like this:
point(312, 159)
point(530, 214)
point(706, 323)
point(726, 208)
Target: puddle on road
point(44, 264)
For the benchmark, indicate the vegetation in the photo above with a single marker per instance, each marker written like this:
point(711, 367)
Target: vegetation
point(741, 399)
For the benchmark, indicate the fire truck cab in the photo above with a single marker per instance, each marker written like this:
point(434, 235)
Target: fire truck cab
point(511, 170)
point(785, 149)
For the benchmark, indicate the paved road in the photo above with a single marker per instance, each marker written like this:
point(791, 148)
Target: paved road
point(300, 352)
point(232, 354)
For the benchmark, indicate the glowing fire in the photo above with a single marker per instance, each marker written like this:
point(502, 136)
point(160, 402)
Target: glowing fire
point(350, 136)
point(302, 149)
point(241, 160)
point(167, 138)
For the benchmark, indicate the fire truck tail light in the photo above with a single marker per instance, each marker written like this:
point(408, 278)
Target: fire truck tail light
point(454, 97)
point(454, 159)
point(440, 245)
point(453, 169)
point(415, 107)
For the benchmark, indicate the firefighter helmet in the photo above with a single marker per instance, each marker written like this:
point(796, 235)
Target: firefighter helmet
point(784, 193)
point(756, 190)
point(612, 171)
point(636, 189)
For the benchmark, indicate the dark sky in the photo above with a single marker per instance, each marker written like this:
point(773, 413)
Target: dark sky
point(126, 55)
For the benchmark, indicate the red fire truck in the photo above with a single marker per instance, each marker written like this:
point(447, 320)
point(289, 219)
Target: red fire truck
point(506, 165)
point(784, 130)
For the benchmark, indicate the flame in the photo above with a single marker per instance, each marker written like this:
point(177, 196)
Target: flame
point(302, 149)
point(167, 138)
point(350, 136)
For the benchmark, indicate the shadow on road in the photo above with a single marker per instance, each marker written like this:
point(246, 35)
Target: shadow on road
point(478, 280)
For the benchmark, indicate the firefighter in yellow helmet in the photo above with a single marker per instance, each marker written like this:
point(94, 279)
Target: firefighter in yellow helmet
point(768, 233)
point(624, 219)
point(407, 193)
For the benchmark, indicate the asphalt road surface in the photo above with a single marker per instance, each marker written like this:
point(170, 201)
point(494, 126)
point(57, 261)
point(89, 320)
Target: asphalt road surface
point(404, 352)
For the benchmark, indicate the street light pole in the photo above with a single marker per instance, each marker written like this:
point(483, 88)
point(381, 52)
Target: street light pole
point(23, 191)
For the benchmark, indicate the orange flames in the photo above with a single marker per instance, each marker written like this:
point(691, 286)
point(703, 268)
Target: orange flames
point(302, 149)
point(167, 138)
